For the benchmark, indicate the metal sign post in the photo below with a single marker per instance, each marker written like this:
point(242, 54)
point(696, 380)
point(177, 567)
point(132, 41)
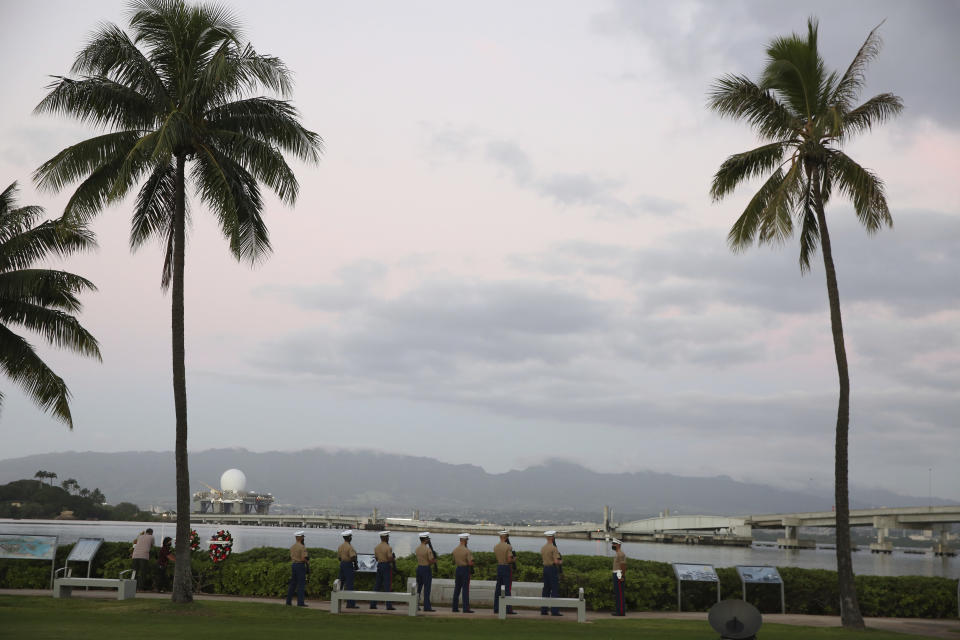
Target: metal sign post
point(694, 573)
point(761, 574)
point(84, 551)
point(21, 547)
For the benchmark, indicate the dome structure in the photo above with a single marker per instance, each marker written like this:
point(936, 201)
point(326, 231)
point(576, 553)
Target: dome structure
point(233, 480)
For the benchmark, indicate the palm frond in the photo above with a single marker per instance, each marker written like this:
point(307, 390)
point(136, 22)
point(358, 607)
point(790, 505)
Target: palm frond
point(99, 101)
point(850, 85)
point(44, 287)
point(59, 328)
point(22, 249)
point(874, 111)
point(744, 166)
point(111, 53)
point(864, 189)
point(275, 122)
point(767, 217)
point(79, 160)
point(263, 161)
point(20, 362)
point(739, 98)
point(233, 195)
point(809, 228)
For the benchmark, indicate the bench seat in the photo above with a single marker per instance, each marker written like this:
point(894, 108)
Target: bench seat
point(63, 587)
point(339, 596)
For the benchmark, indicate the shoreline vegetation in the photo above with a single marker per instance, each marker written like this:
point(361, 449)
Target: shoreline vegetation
point(36, 500)
point(650, 586)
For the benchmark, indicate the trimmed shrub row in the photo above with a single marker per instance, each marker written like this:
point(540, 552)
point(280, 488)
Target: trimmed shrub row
point(650, 586)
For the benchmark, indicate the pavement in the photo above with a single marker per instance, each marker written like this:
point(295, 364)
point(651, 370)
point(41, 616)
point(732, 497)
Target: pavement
point(927, 628)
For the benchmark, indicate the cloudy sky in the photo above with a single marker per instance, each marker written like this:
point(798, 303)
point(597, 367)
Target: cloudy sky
point(509, 253)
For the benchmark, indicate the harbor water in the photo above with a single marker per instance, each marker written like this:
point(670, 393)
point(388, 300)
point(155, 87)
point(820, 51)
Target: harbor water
point(899, 563)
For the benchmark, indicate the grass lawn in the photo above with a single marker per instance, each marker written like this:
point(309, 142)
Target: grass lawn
point(42, 618)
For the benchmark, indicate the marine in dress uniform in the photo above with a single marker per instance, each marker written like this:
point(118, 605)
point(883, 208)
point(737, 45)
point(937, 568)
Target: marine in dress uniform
point(503, 551)
point(425, 558)
point(298, 570)
point(619, 576)
point(348, 565)
point(385, 558)
point(463, 560)
point(551, 571)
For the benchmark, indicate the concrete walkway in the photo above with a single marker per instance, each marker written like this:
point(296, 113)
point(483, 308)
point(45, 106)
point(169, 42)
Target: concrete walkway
point(937, 628)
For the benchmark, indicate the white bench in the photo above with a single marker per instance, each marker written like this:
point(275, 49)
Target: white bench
point(527, 601)
point(126, 587)
point(337, 596)
point(481, 591)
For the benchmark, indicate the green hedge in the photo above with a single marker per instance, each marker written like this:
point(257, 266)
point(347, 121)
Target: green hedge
point(650, 586)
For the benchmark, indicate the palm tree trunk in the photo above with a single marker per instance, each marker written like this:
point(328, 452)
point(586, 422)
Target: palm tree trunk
point(182, 578)
point(850, 615)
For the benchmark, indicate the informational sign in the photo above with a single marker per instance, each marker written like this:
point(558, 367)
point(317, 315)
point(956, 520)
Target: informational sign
point(759, 575)
point(84, 550)
point(21, 547)
point(694, 573)
point(367, 563)
point(763, 574)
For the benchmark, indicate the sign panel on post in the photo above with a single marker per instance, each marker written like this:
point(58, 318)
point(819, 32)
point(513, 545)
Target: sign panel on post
point(84, 551)
point(694, 573)
point(761, 574)
point(367, 563)
point(22, 547)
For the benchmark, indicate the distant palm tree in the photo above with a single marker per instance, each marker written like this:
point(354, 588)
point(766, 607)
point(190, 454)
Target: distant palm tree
point(174, 93)
point(40, 475)
point(39, 300)
point(84, 492)
point(805, 114)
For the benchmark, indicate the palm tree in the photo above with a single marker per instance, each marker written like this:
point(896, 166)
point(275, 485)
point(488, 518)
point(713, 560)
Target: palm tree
point(804, 115)
point(181, 89)
point(42, 301)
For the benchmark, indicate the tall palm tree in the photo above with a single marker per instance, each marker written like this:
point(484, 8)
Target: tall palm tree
point(40, 300)
point(180, 89)
point(804, 114)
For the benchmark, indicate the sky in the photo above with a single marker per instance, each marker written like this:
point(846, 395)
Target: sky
point(508, 252)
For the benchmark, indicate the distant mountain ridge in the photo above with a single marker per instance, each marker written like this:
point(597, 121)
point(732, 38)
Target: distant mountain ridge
point(355, 481)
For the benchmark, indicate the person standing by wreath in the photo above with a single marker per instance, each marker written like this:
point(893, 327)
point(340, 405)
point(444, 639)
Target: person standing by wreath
point(425, 558)
point(463, 559)
point(141, 557)
point(619, 577)
point(383, 553)
point(164, 557)
point(298, 570)
point(503, 551)
point(348, 565)
point(551, 571)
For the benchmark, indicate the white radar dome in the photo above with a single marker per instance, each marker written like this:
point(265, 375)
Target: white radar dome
point(233, 480)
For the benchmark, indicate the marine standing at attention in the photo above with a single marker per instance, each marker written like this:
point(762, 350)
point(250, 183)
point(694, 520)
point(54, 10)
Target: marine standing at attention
point(425, 558)
point(385, 559)
point(463, 560)
point(503, 551)
point(551, 571)
point(348, 564)
point(298, 570)
point(619, 576)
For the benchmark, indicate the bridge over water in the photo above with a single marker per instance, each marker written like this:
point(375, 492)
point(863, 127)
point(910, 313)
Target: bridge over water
point(736, 529)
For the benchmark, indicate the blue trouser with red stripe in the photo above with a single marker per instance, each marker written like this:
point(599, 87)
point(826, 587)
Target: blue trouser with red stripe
point(505, 578)
point(461, 584)
point(551, 587)
point(346, 579)
point(619, 600)
point(384, 581)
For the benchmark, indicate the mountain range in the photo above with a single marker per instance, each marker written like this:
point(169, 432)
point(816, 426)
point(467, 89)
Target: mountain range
point(355, 481)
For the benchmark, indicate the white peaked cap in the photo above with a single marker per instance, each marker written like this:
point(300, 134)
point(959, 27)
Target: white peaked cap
point(464, 535)
point(299, 533)
point(425, 534)
point(615, 541)
point(348, 532)
point(504, 532)
point(384, 534)
point(550, 533)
